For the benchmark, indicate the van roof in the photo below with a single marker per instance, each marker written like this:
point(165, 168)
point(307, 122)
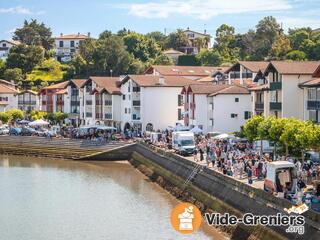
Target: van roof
point(281, 164)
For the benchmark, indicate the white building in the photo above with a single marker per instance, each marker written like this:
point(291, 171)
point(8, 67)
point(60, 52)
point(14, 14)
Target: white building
point(173, 55)
point(67, 45)
point(311, 94)
point(28, 100)
point(152, 102)
point(8, 96)
point(281, 95)
point(101, 101)
point(5, 46)
point(193, 36)
point(221, 108)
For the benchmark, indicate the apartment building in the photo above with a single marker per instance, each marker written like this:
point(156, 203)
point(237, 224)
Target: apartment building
point(311, 95)
point(102, 101)
point(222, 108)
point(5, 46)
point(247, 72)
point(8, 96)
point(49, 99)
point(28, 100)
point(152, 102)
point(67, 45)
point(282, 95)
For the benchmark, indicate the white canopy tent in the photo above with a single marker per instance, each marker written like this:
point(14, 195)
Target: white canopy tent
point(39, 122)
point(223, 136)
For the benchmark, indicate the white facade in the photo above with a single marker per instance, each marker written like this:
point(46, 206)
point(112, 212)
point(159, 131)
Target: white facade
point(192, 47)
point(28, 101)
point(8, 101)
point(5, 47)
point(150, 108)
point(230, 112)
point(67, 45)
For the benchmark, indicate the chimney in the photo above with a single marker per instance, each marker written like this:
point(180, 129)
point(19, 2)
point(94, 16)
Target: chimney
point(161, 80)
point(205, 31)
point(78, 34)
point(61, 34)
point(188, 28)
point(88, 34)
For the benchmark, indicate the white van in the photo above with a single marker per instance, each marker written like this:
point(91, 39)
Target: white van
point(282, 171)
point(183, 142)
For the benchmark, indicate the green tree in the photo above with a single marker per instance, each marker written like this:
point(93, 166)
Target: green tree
point(4, 117)
point(209, 57)
point(176, 40)
point(25, 57)
point(105, 34)
point(15, 114)
point(280, 47)
point(34, 33)
point(36, 115)
point(250, 129)
point(288, 136)
point(87, 50)
point(163, 59)
point(296, 55)
point(2, 67)
point(48, 70)
point(14, 74)
point(225, 38)
point(159, 37)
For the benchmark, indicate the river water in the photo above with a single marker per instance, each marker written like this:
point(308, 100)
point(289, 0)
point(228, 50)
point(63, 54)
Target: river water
point(55, 199)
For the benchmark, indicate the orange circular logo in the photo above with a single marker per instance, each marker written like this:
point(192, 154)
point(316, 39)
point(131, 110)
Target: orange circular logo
point(186, 218)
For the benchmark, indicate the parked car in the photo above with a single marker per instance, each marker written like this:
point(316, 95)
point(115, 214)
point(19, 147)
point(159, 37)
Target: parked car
point(27, 131)
point(4, 129)
point(14, 131)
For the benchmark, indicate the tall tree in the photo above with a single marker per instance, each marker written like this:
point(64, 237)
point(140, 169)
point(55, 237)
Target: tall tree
point(280, 47)
point(48, 70)
point(14, 74)
point(25, 57)
point(176, 40)
point(225, 38)
point(34, 33)
point(210, 57)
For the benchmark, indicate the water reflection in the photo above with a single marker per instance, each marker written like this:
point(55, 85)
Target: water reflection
point(56, 199)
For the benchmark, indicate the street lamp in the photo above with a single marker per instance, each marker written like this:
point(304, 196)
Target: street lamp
point(111, 72)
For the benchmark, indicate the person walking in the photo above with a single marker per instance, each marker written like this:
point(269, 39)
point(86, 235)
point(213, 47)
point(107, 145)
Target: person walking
point(195, 154)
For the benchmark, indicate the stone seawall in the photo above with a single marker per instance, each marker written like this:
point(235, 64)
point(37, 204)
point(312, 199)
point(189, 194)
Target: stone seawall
point(212, 191)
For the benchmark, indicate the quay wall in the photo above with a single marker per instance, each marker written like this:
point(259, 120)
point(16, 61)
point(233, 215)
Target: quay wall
point(213, 191)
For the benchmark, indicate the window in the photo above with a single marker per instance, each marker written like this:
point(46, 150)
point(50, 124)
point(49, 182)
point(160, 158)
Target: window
point(247, 115)
point(180, 116)
point(234, 115)
point(129, 110)
point(88, 114)
point(211, 121)
point(180, 100)
point(129, 87)
point(312, 94)
point(60, 43)
point(313, 115)
point(125, 110)
point(236, 99)
point(123, 97)
point(72, 44)
point(4, 45)
point(273, 96)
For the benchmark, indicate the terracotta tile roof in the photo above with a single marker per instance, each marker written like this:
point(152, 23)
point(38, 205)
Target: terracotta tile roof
point(311, 83)
point(206, 88)
point(294, 67)
point(232, 89)
point(5, 82)
point(78, 82)
point(184, 70)
point(72, 36)
point(6, 89)
point(13, 42)
point(258, 87)
point(28, 91)
point(62, 91)
point(204, 34)
point(57, 85)
point(154, 81)
point(253, 66)
point(110, 84)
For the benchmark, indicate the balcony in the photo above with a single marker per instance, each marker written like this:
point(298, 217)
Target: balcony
point(259, 106)
point(275, 86)
point(136, 103)
point(88, 102)
point(98, 103)
point(135, 117)
point(108, 102)
point(27, 102)
point(275, 105)
point(313, 105)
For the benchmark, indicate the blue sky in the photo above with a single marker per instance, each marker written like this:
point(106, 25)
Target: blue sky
point(95, 16)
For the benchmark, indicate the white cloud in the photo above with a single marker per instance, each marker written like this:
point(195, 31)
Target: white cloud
point(202, 9)
point(20, 10)
point(297, 22)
